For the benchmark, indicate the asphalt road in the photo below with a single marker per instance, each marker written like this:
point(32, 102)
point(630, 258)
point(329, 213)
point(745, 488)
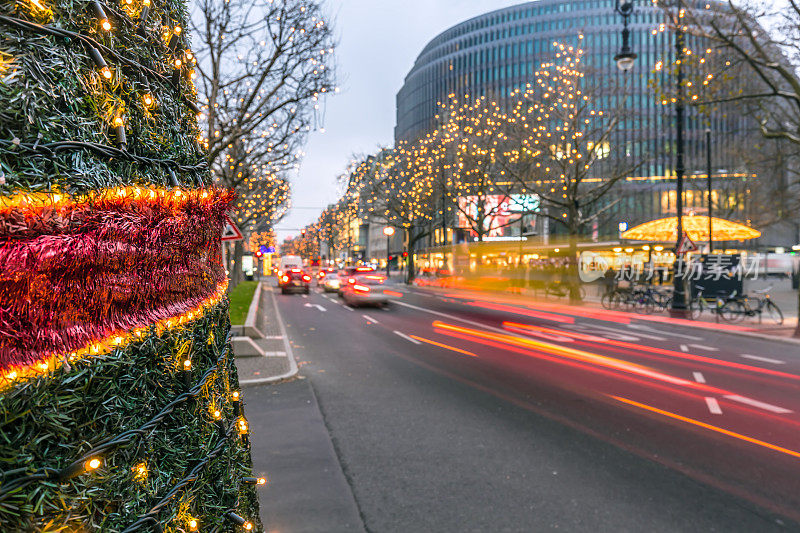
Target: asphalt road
point(456, 411)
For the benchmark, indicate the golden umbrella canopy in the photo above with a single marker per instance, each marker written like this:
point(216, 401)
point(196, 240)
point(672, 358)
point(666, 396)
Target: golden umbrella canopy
point(696, 226)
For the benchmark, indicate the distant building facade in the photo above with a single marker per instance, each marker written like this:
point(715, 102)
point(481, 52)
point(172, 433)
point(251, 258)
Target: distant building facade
point(497, 52)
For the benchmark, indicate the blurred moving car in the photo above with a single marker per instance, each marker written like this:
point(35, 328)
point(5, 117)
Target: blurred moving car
point(289, 262)
point(348, 275)
point(331, 282)
point(366, 289)
point(294, 280)
point(323, 272)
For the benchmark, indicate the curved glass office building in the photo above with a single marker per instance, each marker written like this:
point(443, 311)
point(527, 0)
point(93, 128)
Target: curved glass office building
point(495, 53)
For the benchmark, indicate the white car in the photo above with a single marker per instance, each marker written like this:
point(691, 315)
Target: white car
point(331, 282)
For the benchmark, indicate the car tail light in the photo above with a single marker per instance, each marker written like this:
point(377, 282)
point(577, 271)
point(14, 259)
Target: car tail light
point(360, 288)
point(306, 278)
point(351, 281)
point(321, 275)
point(285, 279)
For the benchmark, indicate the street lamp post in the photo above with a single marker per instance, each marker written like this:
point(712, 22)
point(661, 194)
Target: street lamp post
point(388, 231)
point(625, 58)
point(679, 290)
point(708, 167)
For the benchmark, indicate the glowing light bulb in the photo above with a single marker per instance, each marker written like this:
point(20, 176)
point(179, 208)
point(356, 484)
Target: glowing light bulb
point(261, 481)
point(248, 526)
point(235, 394)
point(217, 414)
point(178, 63)
point(106, 72)
point(105, 24)
point(187, 365)
point(148, 100)
point(118, 121)
point(92, 464)
point(192, 525)
point(178, 30)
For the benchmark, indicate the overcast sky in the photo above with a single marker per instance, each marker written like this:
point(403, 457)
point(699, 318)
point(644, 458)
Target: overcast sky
point(378, 43)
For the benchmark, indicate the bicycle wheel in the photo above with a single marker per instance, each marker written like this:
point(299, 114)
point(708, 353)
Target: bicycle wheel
point(607, 300)
point(645, 304)
point(616, 300)
point(773, 312)
point(696, 308)
point(732, 311)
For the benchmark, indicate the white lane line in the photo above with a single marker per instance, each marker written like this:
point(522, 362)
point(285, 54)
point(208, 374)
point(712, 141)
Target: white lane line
point(684, 348)
point(660, 332)
point(763, 359)
point(617, 334)
point(699, 377)
point(406, 337)
point(348, 307)
point(305, 296)
point(370, 319)
point(628, 333)
point(713, 406)
point(704, 347)
point(756, 403)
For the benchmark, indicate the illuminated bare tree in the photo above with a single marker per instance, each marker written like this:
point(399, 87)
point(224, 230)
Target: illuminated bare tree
point(263, 68)
point(560, 147)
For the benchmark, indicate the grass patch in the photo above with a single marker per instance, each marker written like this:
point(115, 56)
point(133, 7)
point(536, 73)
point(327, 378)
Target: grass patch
point(240, 297)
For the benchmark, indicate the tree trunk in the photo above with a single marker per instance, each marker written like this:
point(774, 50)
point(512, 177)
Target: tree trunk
point(797, 328)
point(573, 277)
point(236, 264)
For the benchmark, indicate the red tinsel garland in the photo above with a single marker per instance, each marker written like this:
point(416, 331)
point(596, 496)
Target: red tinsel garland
point(72, 273)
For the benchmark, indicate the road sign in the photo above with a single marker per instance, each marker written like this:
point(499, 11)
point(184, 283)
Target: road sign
point(686, 245)
point(230, 232)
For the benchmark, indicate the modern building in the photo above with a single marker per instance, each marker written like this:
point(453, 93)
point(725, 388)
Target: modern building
point(497, 52)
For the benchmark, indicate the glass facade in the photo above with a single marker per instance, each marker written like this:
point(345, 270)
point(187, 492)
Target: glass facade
point(497, 52)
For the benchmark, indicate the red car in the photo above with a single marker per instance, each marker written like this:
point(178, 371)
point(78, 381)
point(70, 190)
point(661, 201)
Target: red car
point(294, 280)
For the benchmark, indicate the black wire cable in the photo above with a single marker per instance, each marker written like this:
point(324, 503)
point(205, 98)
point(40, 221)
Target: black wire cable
point(88, 41)
point(151, 516)
point(123, 438)
point(51, 149)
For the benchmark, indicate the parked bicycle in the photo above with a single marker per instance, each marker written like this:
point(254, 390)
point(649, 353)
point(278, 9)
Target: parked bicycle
point(561, 290)
point(738, 307)
point(702, 303)
point(642, 299)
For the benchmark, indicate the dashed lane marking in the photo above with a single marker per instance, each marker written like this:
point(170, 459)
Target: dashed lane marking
point(763, 359)
point(684, 348)
point(756, 403)
point(370, 319)
point(698, 377)
point(704, 347)
point(713, 406)
point(406, 337)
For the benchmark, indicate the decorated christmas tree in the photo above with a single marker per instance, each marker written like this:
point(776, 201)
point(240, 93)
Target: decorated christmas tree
point(119, 401)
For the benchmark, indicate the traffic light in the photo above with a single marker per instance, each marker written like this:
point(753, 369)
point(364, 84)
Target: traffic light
point(405, 254)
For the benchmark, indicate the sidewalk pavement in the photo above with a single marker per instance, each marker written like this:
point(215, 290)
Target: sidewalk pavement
point(275, 361)
point(307, 491)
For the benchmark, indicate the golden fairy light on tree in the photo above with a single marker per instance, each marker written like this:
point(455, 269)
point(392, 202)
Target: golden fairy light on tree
point(560, 146)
